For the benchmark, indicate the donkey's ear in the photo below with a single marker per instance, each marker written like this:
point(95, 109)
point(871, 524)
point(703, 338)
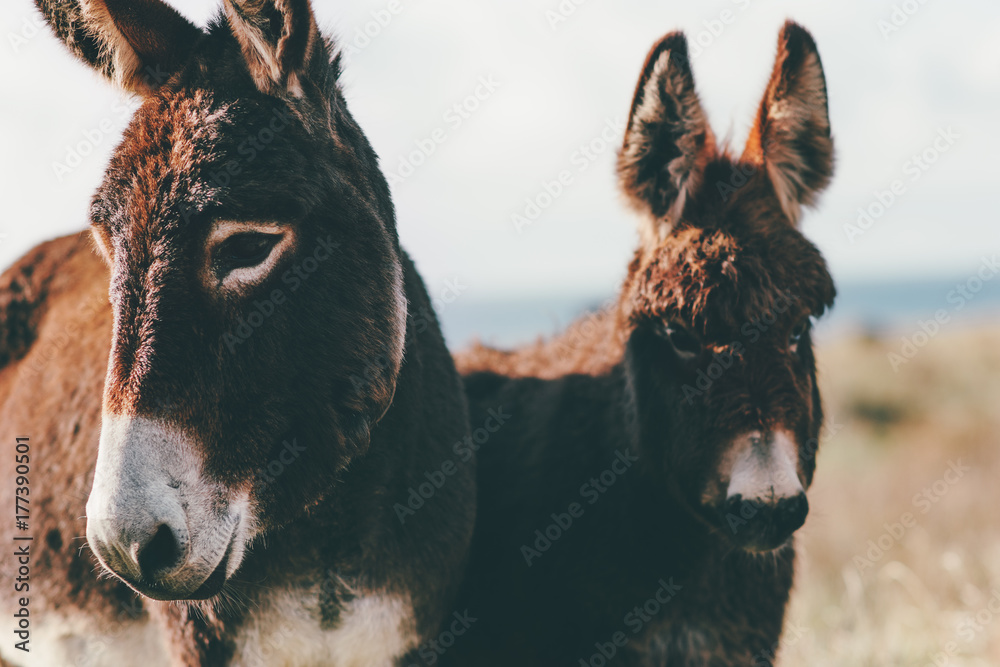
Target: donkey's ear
point(791, 135)
point(667, 140)
point(138, 44)
point(278, 38)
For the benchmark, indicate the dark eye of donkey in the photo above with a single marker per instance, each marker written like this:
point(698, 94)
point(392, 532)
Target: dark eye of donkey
point(245, 249)
point(797, 333)
point(683, 340)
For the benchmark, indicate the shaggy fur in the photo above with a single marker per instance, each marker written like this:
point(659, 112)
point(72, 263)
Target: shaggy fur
point(697, 350)
point(668, 139)
point(344, 366)
point(791, 134)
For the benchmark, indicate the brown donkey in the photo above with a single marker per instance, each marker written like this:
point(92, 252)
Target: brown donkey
point(267, 391)
point(638, 504)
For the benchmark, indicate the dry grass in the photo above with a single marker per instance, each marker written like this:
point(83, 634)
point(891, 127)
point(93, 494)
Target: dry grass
point(895, 435)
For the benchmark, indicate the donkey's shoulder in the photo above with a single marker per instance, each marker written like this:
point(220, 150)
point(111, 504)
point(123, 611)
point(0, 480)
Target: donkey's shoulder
point(26, 285)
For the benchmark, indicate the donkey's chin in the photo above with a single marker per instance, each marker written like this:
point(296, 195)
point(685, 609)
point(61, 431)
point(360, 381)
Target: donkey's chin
point(754, 539)
point(213, 584)
point(766, 545)
point(196, 585)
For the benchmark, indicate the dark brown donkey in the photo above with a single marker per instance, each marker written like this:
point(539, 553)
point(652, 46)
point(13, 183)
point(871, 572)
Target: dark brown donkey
point(638, 504)
point(267, 392)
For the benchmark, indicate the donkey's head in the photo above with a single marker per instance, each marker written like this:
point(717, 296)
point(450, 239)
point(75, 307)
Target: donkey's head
point(256, 285)
point(721, 293)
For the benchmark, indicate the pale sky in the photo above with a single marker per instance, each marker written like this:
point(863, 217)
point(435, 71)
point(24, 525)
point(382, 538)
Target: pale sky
point(557, 86)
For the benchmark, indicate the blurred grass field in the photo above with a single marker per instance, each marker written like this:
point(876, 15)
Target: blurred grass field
point(871, 590)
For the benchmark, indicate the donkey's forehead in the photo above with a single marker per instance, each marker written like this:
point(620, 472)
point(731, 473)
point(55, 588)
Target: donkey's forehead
point(187, 151)
point(716, 279)
point(177, 126)
point(157, 168)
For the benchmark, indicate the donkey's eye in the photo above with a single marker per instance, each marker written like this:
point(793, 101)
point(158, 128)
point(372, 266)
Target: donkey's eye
point(683, 340)
point(797, 333)
point(245, 249)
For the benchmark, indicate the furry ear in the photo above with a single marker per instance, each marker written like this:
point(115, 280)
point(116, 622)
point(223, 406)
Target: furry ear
point(791, 135)
point(667, 140)
point(278, 38)
point(137, 44)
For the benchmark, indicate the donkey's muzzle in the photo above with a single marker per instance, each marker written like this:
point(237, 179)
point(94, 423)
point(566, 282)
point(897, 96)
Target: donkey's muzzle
point(758, 525)
point(154, 520)
point(765, 501)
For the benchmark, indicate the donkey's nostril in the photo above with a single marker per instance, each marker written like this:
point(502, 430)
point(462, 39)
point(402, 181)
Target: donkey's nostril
point(161, 554)
point(791, 513)
point(762, 525)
